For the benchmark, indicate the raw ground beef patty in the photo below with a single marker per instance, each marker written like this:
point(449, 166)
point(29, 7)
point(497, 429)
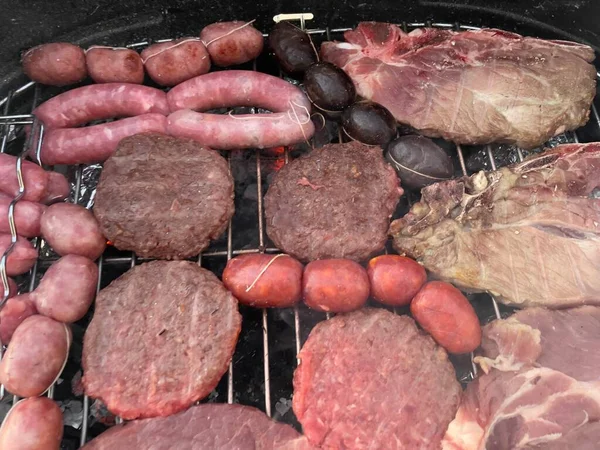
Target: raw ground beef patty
point(335, 202)
point(164, 197)
point(203, 427)
point(371, 379)
point(161, 338)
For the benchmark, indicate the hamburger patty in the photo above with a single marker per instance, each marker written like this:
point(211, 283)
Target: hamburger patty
point(164, 197)
point(335, 202)
point(210, 426)
point(371, 379)
point(161, 338)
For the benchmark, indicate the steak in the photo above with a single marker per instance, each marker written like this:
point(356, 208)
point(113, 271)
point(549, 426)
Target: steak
point(470, 87)
point(529, 234)
point(208, 426)
point(161, 338)
point(335, 202)
point(164, 197)
point(565, 340)
point(371, 379)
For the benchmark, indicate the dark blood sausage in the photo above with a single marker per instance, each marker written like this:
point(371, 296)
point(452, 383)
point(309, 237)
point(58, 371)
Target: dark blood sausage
point(170, 63)
point(40, 185)
point(32, 424)
point(100, 101)
point(114, 65)
point(22, 258)
point(97, 143)
point(13, 313)
point(174, 218)
point(335, 202)
point(27, 216)
point(162, 337)
point(290, 122)
point(370, 379)
point(55, 64)
point(231, 43)
point(211, 426)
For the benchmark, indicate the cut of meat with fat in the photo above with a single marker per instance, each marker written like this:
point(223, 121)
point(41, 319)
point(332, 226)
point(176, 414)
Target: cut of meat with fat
point(526, 410)
point(529, 233)
point(470, 87)
point(371, 379)
point(565, 340)
point(541, 389)
point(203, 427)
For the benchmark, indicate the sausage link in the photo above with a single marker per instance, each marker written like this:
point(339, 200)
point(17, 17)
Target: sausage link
point(28, 216)
point(236, 88)
point(40, 185)
point(97, 143)
point(290, 122)
point(225, 132)
point(100, 101)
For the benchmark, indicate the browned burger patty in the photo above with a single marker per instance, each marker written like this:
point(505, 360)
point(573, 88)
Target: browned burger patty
point(161, 338)
point(164, 197)
point(335, 202)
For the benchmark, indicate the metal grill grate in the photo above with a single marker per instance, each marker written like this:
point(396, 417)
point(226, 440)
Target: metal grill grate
point(8, 121)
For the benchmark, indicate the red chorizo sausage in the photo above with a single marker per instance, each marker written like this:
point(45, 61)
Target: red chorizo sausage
point(290, 122)
point(100, 101)
point(96, 143)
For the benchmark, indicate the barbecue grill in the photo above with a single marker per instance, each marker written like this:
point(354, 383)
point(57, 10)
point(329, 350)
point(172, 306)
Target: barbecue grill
point(260, 373)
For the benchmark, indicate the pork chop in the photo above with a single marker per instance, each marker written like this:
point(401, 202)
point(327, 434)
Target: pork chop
point(371, 379)
point(529, 234)
point(470, 87)
point(541, 389)
point(565, 340)
point(519, 410)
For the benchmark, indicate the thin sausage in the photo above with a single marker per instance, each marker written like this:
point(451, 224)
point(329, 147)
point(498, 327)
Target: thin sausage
point(226, 132)
point(290, 122)
point(27, 216)
point(100, 101)
point(97, 143)
point(236, 88)
point(40, 185)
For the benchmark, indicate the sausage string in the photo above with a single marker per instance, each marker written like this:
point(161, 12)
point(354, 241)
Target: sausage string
point(264, 269)
point(171, 47)
point(206, 44)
